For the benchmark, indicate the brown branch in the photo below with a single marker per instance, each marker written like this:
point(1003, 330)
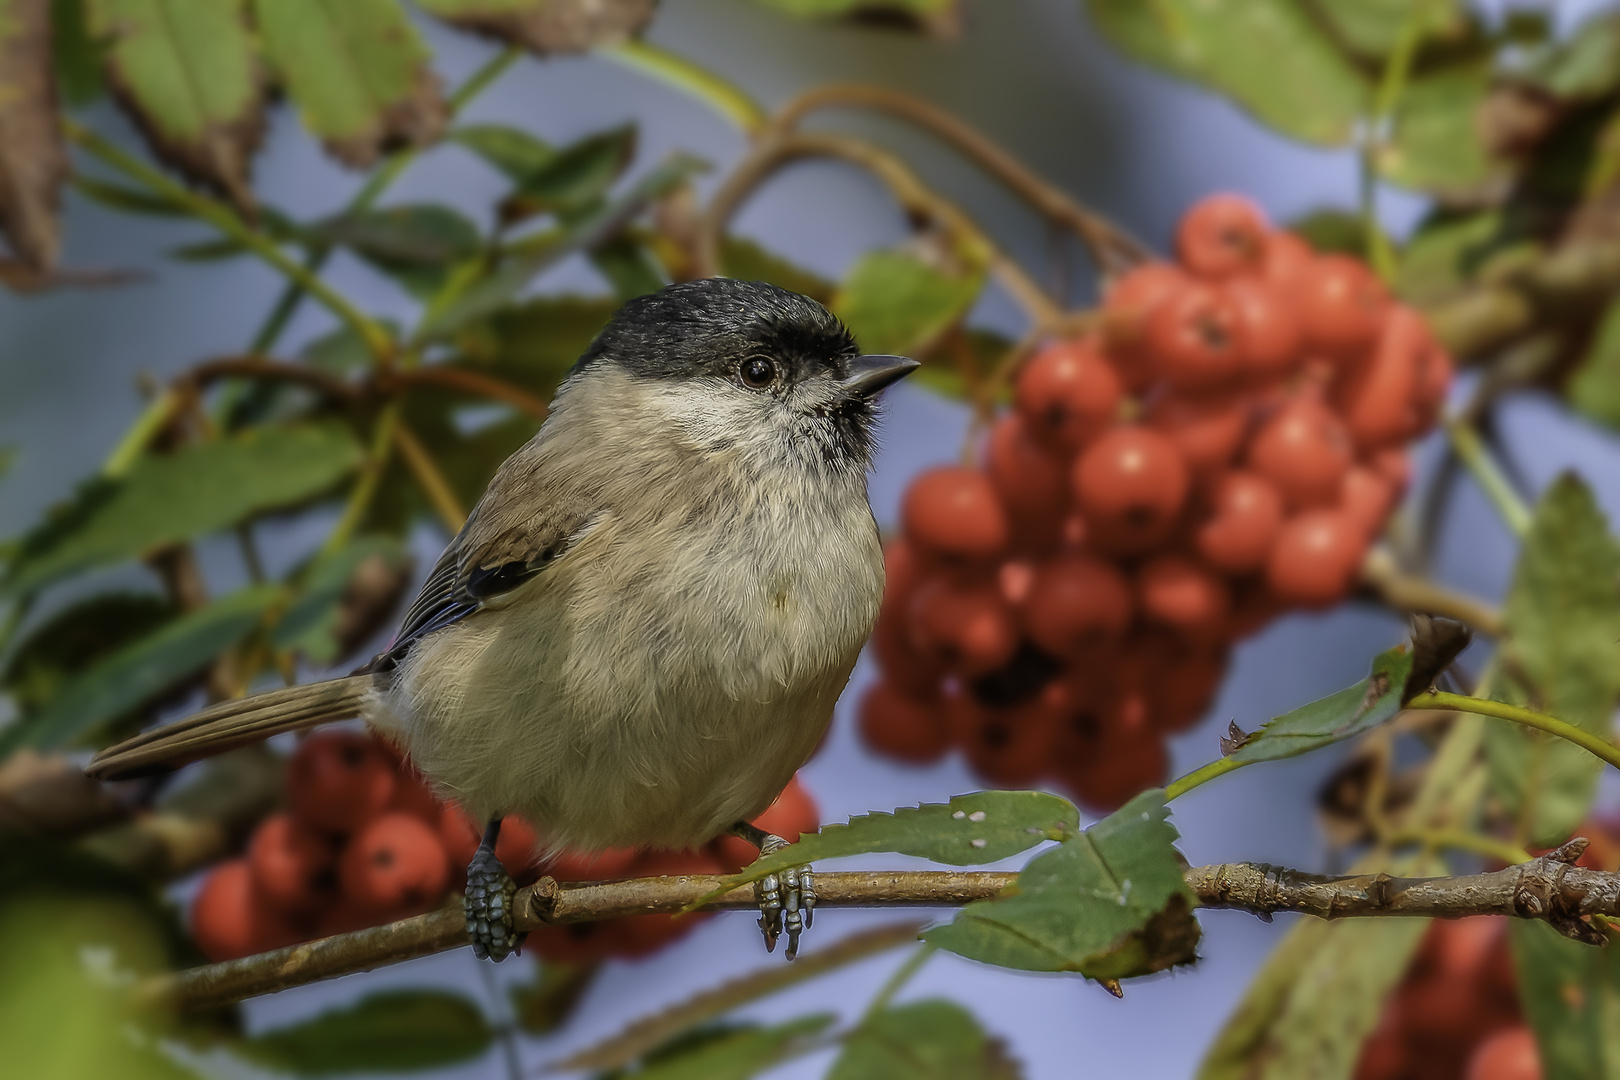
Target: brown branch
point(1550, 888)
point(915, 197)
point(469, 382)
point(1407, 593)
point(430, 478)
point(259, 367)
point(1113, 249)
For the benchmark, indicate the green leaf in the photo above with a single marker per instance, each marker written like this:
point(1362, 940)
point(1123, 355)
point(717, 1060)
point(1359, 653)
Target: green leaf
point(1563, 621)
point(1267, 55)
point(188, 69)
point(932, 1039)
point(734, 1053)
point(533, 344)
point(1332, 230)
point(1594, 388)
point(1315, 1002)
point(129, 200)
point(983, 827)
point(386, 1031)
point(57, 651)
point(896, 303)
point(547, 26)
point(1108, 903)
point(75, 55)
point(420, 234)
point(358, 71)
point(583, 233)
point(1582, 66)
point(310, 622)
point(196, 490)
point(574, 178)
point(1344, 715)
point(629, 266)
point(142, 670)
point(33, 163)
point(1450, 251)
point(1371, 28)
point(511, 150)
point(1571, 998)
point(748, 261)
point(1435, 145)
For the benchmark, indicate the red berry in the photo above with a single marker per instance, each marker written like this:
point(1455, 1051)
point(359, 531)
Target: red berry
point(1378, 398)
point(891, 638)
point(900, 726)
point(1316, 558)
point(396, 864)
point(1222, 235)
point(1107, 781)
point(1076, 602)
point(1010, 747)
point(1367, 497)
point(1208, 431)
point(1434, 379)
point(1193, 338)
point(1126, 309)
point(229, 919)
point(1267, 328)
point(1393, 465)
point(605, 865)
point(1132, 475)
point(412, 795)
point(635, 936)
point(1178, 702)
point(1342, 305)
point(1246, 515)
point(966, 627)
point(1285, 263)
point(1304, 450)
point(292, 866)
point(1067, 393)
point(953, 511)
point(339, 780)
point(1508, 1055)
point(1175, 592)
point(791, 815)
point(515, 847)
point(1032, 483)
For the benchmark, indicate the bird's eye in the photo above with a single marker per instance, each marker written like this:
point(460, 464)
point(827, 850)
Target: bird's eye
point(757, 372)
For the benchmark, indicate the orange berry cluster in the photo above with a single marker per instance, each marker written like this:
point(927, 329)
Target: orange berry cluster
point(1223, 447)
point(364, 841)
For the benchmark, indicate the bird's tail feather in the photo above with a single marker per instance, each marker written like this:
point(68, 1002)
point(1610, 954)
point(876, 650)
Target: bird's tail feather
point(230, 724)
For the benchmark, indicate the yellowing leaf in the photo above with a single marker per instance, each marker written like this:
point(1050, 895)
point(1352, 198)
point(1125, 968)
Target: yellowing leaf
point(895, 303)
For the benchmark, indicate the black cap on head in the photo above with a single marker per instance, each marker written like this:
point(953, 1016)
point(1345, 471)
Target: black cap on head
point(707, 327)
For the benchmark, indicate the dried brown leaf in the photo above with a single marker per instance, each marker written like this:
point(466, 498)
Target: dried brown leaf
point(33, 164)
point(548, 26)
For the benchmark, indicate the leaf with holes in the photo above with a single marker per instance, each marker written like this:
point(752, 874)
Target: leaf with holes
point(165, 499)
point(138, 672)
point(33, 164)
point(1269, 56)
point(1561, 656)
point(187, 71)
point(547, 26)
point(358, 72)
point(895, 302)
point(970, 830)
point(922, 1040)
point(1108, 903)
point(386, 1031)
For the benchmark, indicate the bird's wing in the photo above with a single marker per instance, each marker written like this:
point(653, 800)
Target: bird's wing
point(482, 563)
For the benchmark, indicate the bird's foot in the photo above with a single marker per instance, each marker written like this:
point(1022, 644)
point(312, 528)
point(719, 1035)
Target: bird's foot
point(787, 898)
point(489, 902)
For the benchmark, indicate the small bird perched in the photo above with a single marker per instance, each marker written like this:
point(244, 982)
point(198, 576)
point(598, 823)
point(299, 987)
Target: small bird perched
point(639, 634)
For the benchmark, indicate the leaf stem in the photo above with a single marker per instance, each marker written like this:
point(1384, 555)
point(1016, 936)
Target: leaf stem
point(897, 981)
point(1592, 744)
point(1200, 776)
point(720, 94)
point(1488, 474)
point(1391, 85)
point(371, 474)
point(430, 478)
point(228, 222)
point(1460, 840)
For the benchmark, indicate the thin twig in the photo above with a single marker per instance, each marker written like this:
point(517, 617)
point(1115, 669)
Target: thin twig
point(1592, 744)
point(1549, 888)
point(430, 478)
point(1111, 247)
point(773, 153)
point(1408, 593)
point(1488, 474)
point(470, 382)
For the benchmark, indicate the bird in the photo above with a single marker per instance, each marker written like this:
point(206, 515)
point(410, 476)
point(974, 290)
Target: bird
point(640, 632)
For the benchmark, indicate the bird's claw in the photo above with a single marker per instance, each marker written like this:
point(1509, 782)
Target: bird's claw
point(488, 903)
point(787, 901)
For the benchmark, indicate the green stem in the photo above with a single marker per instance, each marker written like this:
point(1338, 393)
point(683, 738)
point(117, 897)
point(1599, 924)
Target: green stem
point(722, 96)
point(1592, 744)
point(1201, 775)
point(1391, 86)
point(1460, 840)
point(141, 433)
point(897, 981)
point(371, 474)
point(1476, 457)
point(226, 221)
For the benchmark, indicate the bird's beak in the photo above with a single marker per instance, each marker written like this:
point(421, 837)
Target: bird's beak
point(869, 374)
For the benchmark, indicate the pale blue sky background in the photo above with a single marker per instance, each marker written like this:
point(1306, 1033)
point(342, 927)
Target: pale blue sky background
point(1127, 141)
